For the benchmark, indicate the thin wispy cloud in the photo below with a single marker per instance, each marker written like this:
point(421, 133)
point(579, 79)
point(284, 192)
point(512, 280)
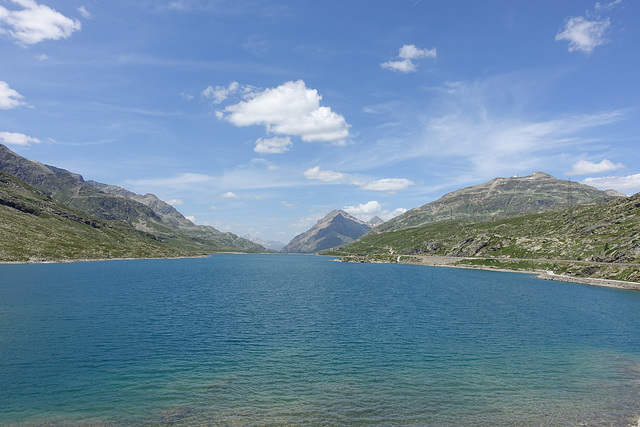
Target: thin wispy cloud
point(84, 12)
point(585, 33)
point(388, 184)
point(629, 184)
point(316, 173)
point(33, 23)
point(273, 145)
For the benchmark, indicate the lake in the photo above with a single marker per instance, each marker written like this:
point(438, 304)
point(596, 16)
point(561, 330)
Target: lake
point(302, 340)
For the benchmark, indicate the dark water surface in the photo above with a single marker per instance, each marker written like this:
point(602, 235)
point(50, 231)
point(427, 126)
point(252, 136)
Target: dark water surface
point(302, 340)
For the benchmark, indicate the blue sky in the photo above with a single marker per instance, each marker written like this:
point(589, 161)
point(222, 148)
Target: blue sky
point(260, 117)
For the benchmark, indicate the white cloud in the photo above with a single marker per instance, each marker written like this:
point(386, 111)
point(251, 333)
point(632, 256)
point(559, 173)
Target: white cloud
point(584, 35)
point(469, 125)
point(585, 167)
point(17, 138)
point(84, 12)
point(607, 6)
point(272, 145)
point(325, 176)
point(629, 184)
point(406, 55)
point(410, 51)
point(175, 202)
point(388, 184)
point(191, 218)
point(220, 93)
point(370, 209)
point(229, 195)
point(289, 109)
point(404, 66)
point(9, 98)
point(35, 23)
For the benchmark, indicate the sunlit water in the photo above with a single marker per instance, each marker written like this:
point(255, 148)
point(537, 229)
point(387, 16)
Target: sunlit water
point(302, 340)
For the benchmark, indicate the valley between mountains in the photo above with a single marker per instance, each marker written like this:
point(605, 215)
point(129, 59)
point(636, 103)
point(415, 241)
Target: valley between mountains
point(536, 222)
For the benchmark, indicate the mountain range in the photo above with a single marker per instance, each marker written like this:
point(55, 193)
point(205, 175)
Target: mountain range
point(107, 203)
point(498, 198)
point(51, 214)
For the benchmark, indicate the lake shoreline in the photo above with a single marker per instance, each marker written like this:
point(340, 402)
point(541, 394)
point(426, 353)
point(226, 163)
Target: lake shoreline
point(431, 261)
point(447, 261)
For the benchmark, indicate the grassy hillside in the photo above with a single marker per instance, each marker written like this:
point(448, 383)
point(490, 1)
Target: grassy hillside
point(499, 198)
point(71, 190)
point(587, 240)
point(34, 227)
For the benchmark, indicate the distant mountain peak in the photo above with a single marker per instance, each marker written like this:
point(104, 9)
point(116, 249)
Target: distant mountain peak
point(375, 221)
point(336, 228)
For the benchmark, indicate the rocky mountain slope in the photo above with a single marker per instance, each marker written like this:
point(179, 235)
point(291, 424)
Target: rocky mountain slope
point(337, 228)
point(500, 198)
point(589, 240)
point(145, 213)
point(34, 227)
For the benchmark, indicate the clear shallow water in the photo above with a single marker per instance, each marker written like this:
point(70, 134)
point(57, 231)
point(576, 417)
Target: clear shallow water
point(301, 340)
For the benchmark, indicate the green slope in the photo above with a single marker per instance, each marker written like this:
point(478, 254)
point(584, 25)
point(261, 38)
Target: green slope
point(499, 198)
point(71, 190)
point(34, 227)
point(586, 240)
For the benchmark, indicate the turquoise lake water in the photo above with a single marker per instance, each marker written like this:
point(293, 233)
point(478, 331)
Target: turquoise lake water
point(302, 340)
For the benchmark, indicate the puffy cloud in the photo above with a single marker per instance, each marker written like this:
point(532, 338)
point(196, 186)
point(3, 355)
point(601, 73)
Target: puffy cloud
point(406, 55)
point(17, 138)
point(404, 66)
point(584, 35)
point(629, 184)
point(370, 208)
point(9, 98)
point(175, 202)
point(272, 145)
point(585, 167)
point(373, 208)
point(325, 176)
point(35, 23)
point(289, 109)
point(410, 51)
point(228, 195)
point(388, 184)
